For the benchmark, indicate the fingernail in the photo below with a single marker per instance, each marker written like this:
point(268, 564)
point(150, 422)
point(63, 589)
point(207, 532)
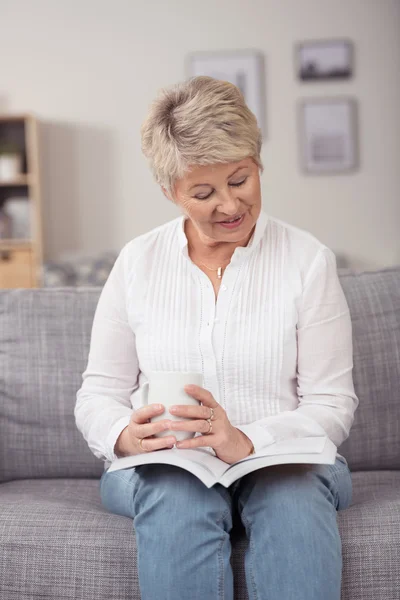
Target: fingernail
point(173, 408)
point(159, 406)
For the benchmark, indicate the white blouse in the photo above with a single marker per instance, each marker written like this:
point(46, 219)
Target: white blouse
point(275, 349)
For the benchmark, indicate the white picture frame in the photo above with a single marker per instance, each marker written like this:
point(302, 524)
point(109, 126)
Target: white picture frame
point(324, 60)
point(243, 68)
point(328, 135)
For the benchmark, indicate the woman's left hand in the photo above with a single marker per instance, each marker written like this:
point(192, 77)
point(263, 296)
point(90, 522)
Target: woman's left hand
point(230, 444)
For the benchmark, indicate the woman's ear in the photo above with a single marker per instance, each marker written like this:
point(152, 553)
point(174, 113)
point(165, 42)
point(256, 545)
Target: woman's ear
point(166, 194)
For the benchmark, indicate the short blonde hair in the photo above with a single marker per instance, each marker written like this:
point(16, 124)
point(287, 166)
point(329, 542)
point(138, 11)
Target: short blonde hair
point(201, 121)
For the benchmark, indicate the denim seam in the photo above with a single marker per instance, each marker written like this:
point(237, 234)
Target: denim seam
point(251, 551)
point(221, 581)
point(335, 476)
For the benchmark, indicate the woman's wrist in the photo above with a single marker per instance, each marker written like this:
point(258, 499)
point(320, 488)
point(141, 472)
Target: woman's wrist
point(249, 443)
point(120, 448)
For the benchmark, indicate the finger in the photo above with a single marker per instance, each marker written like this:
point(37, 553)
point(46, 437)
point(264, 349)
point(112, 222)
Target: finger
point(200, 426)
point(142, 415)
point(196, 442)
point(142, 431)
point(201, 394)
point(150, 444)
point(191, 412)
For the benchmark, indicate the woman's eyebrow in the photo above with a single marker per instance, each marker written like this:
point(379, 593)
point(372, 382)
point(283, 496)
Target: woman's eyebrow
point(229, 176)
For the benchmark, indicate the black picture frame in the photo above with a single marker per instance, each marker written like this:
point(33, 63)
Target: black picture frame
point(327, 52)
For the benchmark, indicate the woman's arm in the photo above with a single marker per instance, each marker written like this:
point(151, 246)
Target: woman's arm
point(327, 400)
point(103, 407)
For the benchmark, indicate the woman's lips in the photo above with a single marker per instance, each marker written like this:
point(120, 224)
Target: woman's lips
point(234, 224)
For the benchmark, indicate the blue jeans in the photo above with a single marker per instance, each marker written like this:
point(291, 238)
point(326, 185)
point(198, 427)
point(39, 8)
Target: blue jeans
point(183, 529)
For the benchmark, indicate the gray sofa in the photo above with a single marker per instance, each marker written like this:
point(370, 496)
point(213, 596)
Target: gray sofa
point(56, 539)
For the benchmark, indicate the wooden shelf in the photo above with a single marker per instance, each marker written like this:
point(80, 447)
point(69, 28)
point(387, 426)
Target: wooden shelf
point(15, 244)
point(7, 117)
point(22, 258)
point(21, 180)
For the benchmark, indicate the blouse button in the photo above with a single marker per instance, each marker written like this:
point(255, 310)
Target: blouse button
point(223, 288)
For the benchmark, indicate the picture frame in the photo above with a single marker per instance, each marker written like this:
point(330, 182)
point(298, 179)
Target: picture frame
point(243, 68)
point(328, 141)
point(324, 60)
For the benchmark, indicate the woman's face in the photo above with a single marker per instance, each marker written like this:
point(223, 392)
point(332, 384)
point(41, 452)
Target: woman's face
point(222, 201)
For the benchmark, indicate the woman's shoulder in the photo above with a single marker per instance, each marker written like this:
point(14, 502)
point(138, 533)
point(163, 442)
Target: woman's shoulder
point(296, 235)
point(301, 246)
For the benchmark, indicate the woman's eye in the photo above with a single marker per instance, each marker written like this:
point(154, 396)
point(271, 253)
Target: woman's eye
point(203, 197)
point(239, 183)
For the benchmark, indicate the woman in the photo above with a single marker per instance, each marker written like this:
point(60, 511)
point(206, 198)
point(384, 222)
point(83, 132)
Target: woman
point(255, 305)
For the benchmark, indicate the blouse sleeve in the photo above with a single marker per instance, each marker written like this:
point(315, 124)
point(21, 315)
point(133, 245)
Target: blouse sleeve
point(103, 407)
point(327, 400)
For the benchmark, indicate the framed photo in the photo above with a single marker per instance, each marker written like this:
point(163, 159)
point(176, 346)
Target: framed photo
point(324, 60)
point(328, 135)
point(244, 68)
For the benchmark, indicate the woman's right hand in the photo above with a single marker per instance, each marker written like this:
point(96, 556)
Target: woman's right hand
point(139, 427)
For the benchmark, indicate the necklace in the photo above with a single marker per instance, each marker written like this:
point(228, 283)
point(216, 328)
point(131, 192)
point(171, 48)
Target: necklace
point(218, 269)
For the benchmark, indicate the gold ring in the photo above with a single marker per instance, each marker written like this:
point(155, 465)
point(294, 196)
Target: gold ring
point(210, 429)
point(211, 417)
point(140, 444)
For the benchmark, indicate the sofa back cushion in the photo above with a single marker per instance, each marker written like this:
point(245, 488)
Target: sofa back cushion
point(44, 345)
point(374, 303)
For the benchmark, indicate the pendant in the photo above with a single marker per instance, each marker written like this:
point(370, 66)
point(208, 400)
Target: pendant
point(219, 273)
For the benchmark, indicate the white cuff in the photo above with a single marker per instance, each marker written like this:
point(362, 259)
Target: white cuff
point(114, 434)
point(259, 437)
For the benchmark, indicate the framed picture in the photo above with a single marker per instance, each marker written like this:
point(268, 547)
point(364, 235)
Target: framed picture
point(244, 68)
point(324, 60)
point(328, 135)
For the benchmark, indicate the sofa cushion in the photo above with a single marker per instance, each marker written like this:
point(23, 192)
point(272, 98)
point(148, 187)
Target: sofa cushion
point(374, 303)
point(67, 545)
point(44, 346)
point(370, 532)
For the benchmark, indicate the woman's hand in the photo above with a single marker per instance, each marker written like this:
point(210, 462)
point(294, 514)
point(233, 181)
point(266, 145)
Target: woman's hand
point(230, 444)
point(140, 428)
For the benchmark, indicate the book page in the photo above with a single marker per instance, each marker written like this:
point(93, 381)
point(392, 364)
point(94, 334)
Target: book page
point(327, 455)
point(193, 460)
point(289, 447)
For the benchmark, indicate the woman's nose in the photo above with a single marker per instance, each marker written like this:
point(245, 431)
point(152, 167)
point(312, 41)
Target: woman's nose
point(229, 202)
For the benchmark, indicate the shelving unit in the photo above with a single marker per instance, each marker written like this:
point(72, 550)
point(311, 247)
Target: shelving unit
point(21, 259)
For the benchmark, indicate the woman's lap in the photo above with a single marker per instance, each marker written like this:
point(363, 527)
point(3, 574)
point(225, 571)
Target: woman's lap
point(118, 488)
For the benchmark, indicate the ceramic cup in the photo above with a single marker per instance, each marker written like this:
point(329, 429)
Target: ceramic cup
point(166, 387)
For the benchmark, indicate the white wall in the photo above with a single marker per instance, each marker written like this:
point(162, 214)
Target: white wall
point(90, 68)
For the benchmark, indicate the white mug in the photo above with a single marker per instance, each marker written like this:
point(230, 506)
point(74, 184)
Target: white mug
point(166, 387)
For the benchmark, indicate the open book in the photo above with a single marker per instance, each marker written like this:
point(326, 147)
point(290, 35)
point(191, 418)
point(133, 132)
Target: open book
point(211, 470)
